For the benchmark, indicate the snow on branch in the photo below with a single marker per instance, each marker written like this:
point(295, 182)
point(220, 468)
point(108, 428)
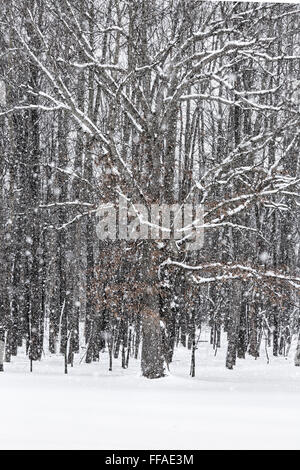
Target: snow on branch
point(234, 271)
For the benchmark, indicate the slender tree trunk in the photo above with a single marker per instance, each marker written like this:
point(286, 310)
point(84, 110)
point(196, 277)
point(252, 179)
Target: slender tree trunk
point(193, 341)
point(2, 348)
point(233, 327)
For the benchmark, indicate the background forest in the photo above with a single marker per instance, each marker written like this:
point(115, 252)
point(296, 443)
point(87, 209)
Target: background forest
point(161, 101)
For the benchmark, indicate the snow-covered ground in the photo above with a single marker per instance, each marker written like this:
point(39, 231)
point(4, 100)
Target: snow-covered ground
point(255, 406)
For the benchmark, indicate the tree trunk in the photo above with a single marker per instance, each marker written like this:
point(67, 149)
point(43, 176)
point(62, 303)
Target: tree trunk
point(2, 348)
point(297, 356)
point(152, 354)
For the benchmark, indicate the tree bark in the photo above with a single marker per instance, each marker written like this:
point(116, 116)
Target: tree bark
point(297, 356)
point(152, 354)
point(2, 349)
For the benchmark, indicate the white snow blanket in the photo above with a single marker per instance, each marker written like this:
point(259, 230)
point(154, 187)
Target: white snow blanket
point(255, 406)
